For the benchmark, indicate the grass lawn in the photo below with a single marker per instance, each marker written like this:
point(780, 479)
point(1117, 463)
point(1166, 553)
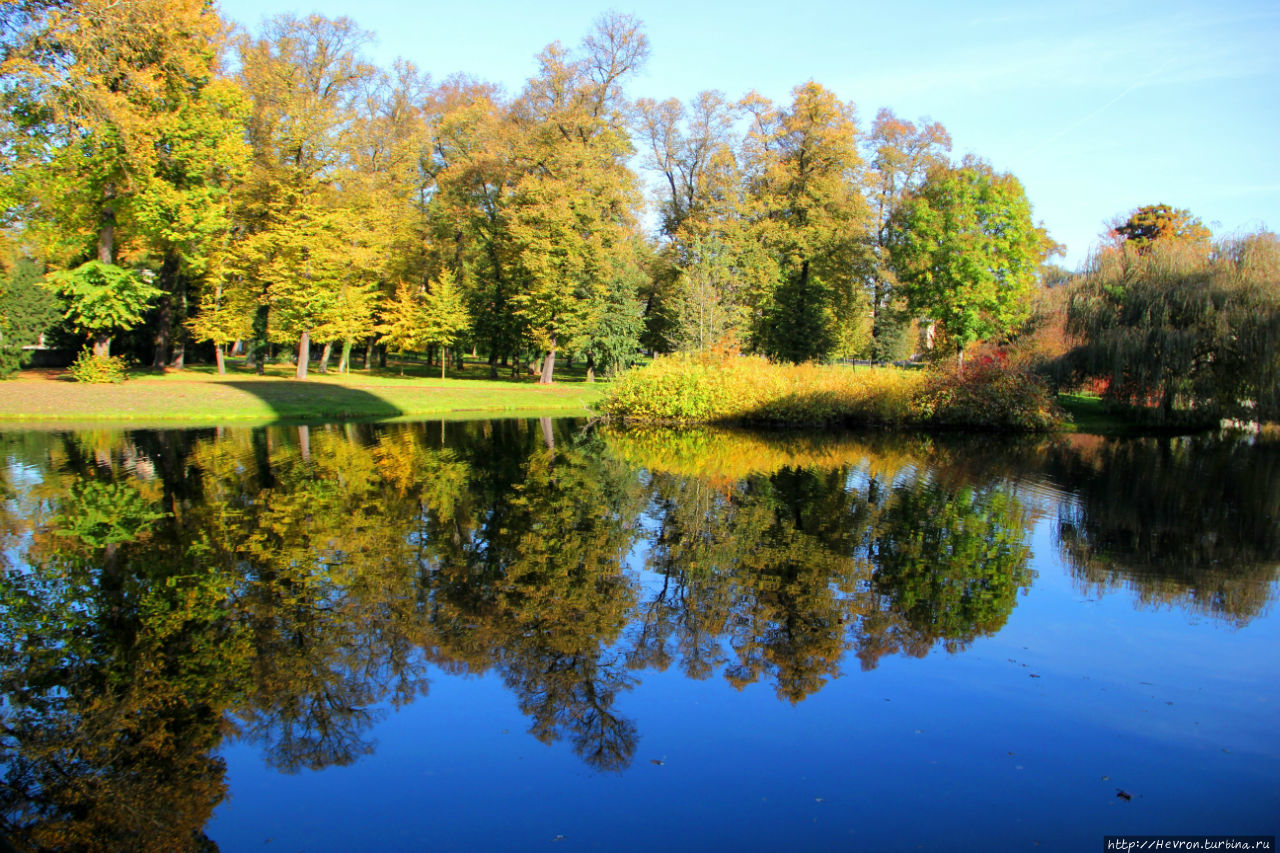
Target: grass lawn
point(197, 395)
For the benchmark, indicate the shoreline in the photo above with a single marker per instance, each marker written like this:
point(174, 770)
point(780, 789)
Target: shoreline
point(190, 399)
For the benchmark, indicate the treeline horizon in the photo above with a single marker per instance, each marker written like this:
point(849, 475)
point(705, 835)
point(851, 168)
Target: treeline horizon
point(183, 180)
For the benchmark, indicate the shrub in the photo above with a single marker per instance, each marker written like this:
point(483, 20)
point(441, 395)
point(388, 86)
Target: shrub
point(725, 387)
point(988, 393)
point(91, 368)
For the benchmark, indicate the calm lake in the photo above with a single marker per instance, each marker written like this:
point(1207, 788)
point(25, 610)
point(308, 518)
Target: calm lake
point(536, 634)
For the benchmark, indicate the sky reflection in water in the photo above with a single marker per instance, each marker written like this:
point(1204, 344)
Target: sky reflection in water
point(500, 635)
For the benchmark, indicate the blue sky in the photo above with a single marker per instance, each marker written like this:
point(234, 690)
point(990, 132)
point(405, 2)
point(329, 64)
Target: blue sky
point(1098, 107)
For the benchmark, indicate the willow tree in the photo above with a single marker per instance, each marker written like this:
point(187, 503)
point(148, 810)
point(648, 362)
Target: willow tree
point(1194, 334)
point(966, 252)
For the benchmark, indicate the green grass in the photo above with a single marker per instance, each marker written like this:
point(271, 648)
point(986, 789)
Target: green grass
point(1091, 415)
point(199, 396)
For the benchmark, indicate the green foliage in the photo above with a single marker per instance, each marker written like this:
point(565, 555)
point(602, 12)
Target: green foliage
point(966, 252)
point(26, 310)
point(103, 298)
point(1181, 334)
point(444, 314)
point(92, 368)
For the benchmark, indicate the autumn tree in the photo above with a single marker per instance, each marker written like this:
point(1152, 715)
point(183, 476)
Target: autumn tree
point(125, 139)
point(807, 211)
point(304, 79)
point(965, 252)
point(1153, 222)
point(573, 203)
point(472, 174)
point(708, 249)
point(899, 156)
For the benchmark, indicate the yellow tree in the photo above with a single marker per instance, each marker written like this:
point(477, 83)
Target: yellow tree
point(123, 139)
point(305, 80)
point(574, 200)
point(806, 208)
point(472, 171)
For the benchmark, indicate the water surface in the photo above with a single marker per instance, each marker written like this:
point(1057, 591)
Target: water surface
point(518, 634)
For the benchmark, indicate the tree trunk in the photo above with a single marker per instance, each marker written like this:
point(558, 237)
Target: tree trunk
point(444, 360)
point(107, 226)
point(168, 282)
point(344, 366)
point(220, 358)
point(493, 364)
point(101, 345)
point(548, 367)
point(179, 361)
point(164, 318)
point(591, 368)
point(368, 355)
point(324, 357)
point(304, 355)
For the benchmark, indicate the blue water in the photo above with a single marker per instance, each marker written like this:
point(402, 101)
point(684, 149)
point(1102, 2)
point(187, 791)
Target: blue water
point(1131, 685)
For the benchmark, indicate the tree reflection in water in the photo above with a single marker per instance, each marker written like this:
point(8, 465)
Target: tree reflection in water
point(166, 591)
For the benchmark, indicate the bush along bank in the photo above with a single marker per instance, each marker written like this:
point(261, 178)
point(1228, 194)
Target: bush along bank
point(726, 388)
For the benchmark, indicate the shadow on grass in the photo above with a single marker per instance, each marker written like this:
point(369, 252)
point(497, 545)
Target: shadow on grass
point(293, 400)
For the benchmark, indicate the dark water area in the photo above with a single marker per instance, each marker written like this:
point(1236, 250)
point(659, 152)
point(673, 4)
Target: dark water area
point(536, 634)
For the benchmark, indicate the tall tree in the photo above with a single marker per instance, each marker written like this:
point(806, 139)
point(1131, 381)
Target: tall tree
point(574, 200)
point(899, 155)
point(708, 251)
point(966, 252)
point(473, 174)
point(807, 210)
point(305, 79)
point(123, 138)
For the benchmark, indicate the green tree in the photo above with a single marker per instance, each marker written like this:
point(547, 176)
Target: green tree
point(26, 311)
point(899, 155)
point(966, 252)
point(102, 299)
point(444, 316)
